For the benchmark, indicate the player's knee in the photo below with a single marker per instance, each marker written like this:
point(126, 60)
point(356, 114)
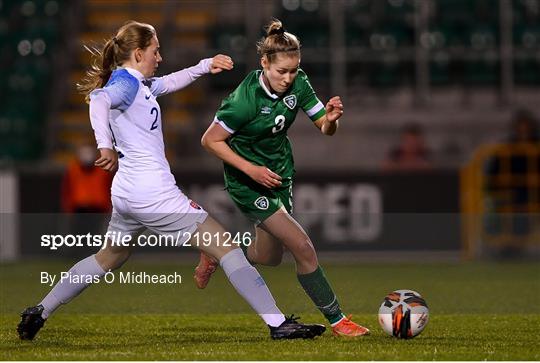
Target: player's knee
point(305, 251)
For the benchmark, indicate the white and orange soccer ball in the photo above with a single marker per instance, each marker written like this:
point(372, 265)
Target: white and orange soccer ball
point(403, 314)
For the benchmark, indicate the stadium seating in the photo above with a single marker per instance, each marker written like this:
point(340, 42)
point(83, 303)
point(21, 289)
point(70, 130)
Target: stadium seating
point(462, 41)
point(29, 32)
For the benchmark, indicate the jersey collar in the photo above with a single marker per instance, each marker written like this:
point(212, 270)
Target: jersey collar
point(266, 90)
point(135, 73)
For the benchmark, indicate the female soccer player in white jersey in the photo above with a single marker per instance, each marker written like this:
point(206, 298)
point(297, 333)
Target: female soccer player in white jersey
point(249, 134)
point(126, 119)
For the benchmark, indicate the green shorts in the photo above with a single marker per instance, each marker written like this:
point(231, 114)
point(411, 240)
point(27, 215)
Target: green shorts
point(258, 203)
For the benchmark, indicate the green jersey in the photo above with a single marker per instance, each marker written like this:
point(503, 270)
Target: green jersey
point(258, 121)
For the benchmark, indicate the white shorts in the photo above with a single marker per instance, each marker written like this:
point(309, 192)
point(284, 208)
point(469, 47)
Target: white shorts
point(176, 216)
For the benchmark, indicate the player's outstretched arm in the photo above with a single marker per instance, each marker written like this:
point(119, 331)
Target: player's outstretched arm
point(213, 140)
point(178, 80)
point(328, 124)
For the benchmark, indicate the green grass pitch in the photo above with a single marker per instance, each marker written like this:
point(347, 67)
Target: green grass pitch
point(483, 311)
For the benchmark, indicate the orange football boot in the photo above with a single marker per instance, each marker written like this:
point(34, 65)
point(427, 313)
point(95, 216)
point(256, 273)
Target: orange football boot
point(204, 270)
point(348, 328)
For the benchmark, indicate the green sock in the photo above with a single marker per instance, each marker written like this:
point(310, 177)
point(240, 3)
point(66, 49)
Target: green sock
point(318, 289)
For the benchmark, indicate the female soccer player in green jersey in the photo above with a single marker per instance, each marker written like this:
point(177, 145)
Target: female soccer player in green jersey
point(249, 134)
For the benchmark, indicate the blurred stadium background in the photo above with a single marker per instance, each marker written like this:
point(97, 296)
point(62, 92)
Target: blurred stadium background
point(458, 71)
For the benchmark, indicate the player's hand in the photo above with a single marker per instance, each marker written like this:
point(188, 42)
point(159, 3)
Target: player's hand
point(221, 63)
point(264, 176)
point(108, 160)
point(334, 109)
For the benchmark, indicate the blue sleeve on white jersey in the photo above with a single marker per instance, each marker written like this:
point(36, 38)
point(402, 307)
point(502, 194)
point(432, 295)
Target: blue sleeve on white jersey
point(122, 89)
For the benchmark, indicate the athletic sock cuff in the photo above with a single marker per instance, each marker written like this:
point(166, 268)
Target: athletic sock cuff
point(339, 319)
point(98, 270)
point(310, 276)
point(233, 261)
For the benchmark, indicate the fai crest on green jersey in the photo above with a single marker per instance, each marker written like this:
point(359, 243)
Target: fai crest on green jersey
point(290, 101)
point(261, 203)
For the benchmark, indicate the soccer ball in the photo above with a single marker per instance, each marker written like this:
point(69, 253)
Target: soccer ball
point(403, 314)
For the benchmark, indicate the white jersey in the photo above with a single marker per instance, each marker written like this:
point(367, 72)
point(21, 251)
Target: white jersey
point(133, 124)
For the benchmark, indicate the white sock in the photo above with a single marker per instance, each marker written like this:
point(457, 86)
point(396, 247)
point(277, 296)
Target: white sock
point(250, 284)
point(67, 288)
